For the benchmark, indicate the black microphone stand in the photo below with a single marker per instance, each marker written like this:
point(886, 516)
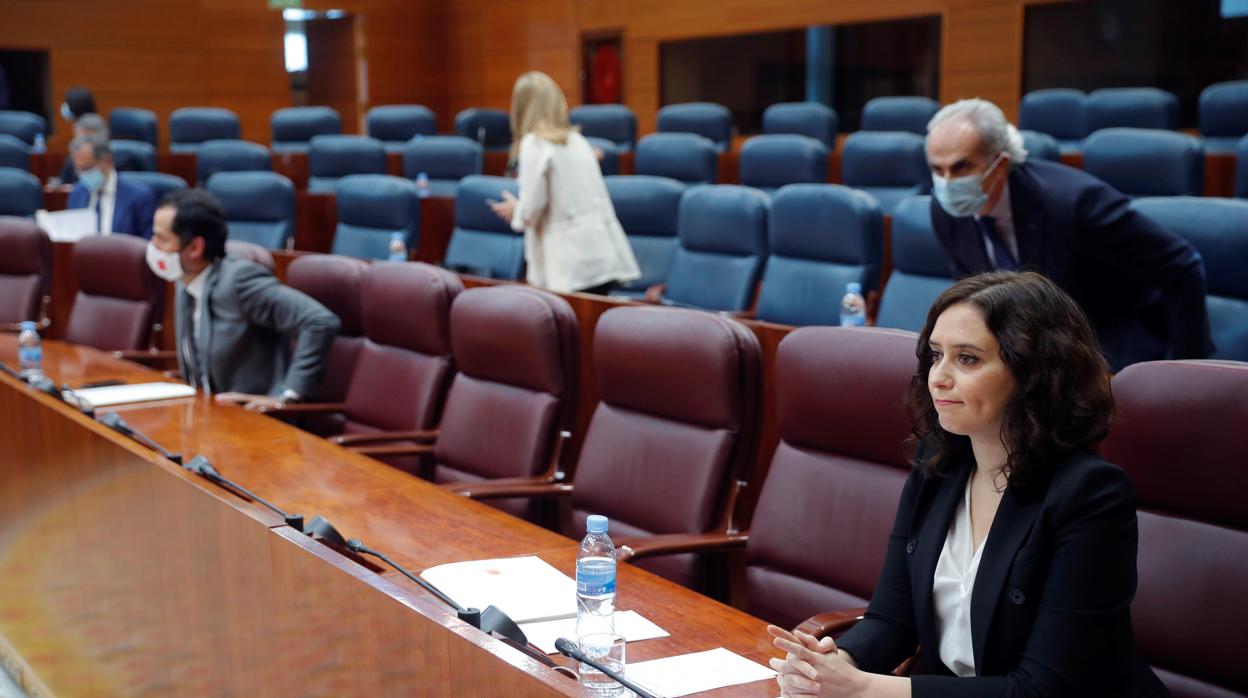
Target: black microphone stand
point(569, 649)
point(201, 467)
point(113, 421)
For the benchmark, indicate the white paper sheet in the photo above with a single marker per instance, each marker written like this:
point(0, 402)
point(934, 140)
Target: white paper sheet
point(631, 624)
point(134, 392)
point(693, 673)
point(70, 225)
point(527, 589)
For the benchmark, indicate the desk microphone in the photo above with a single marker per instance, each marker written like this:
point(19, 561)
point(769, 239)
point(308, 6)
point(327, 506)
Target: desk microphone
point(201, 467)
point(568, 648)
point(83, 405)
point(113, 421)
point(5, 368)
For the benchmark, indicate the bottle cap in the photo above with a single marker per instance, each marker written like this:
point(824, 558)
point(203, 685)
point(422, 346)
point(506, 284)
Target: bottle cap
point(397, 237)
point(853, 287)
point(597, 523)
point(28, 325)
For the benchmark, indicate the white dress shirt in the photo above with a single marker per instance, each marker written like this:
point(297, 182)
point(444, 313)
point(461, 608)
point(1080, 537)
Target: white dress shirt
point(1003, 218)
point(106, 198)
point(952, 586)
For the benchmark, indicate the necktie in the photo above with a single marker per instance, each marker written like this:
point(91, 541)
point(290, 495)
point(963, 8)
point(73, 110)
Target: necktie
point(99, 220)
point(1001, 257)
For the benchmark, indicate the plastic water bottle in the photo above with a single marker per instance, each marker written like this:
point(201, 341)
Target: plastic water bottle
point(41, 144)
point(30, 356)
point(595, 580)
point(853, 306)
point(398, 248)
point(422, 185)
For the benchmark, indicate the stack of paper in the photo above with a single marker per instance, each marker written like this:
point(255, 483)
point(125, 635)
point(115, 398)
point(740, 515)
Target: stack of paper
point(693, 673)
point(527, 589)
point(70, 225)
point(134, 392)
point(631, 624)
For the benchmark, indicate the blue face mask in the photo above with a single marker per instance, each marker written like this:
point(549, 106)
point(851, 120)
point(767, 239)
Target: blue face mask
point(962, 196)
point(92, 179)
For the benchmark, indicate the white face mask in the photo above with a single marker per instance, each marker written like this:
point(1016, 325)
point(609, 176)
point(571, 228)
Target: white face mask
point(166, 265)
point(962, 196)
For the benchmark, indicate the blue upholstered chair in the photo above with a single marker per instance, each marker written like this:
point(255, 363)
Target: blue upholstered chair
point(648, 209)
point(721, 249)
point(1224, 115)
point(293, 128)
point(159, 182)
point(489, 127)
point(920, 268)
point(331, 158)
point(811, 119)
point(20, 193)
point(191, 126)
point(1132, 107)
point(1059, 112)
point(133, 124)
point(1218, 229)
point(889, 165)
point(482, 244)
point(686, 157)
point(371, 209)
point(23, 125)
point(1041, 146)
point(133, 156)
point(259, 206)
point(231, 156)
point(609, 163)
point(613, 122)
point(899, 114)
point(1146, 162)
point(14, 152)
point(709, 120)
point(1241, 168)
point(396, 124)
point(771, 162)
point(443, 159)
point(823, 236)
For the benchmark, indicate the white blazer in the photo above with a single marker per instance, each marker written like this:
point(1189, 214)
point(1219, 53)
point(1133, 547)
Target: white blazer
point(572, 239)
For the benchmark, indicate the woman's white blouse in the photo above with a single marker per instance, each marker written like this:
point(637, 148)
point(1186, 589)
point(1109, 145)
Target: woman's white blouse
point(572, 239)
point(951, 590)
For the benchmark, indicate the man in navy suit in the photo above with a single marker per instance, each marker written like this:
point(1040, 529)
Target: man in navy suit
point(120, 206)
point(1142, 287)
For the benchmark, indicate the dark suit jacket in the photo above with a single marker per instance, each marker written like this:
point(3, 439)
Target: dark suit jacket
point(133, 211)
point(245, 332)
point(1050, 611)
point(1142, 287)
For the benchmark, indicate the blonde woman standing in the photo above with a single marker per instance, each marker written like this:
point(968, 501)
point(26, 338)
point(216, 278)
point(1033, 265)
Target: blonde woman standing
point(572, 239)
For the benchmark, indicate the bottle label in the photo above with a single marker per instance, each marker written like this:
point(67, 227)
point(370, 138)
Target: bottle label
point(595, 580)
point(30, 357)
point(855, 320)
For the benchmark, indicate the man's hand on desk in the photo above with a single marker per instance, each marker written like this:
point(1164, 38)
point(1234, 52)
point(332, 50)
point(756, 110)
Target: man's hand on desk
point(250, 402)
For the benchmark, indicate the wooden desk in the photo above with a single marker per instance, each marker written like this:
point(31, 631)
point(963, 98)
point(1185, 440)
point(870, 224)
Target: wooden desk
point(124, 574)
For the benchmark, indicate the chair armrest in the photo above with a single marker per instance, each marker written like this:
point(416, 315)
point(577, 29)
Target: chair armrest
point(295, 409)
point(384, 451)
point(750, 314)
point(831, 622)
point(147, 357)
point(654, 294)
point(384, 436)
point(511, 487)
point(634, 548)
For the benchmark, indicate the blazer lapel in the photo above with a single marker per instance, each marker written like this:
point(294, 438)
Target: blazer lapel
point(929, 533)
point(1028, 217)
point(205, 325)
point(1015, 516)
point(969, 233)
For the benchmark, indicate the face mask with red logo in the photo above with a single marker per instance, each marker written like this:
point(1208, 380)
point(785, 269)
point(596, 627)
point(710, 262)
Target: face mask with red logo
point(166, 265)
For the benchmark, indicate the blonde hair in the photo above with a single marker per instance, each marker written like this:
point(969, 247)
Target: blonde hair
point(538, 107)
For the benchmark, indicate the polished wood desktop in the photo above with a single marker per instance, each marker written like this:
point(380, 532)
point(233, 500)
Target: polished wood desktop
point(123, 574)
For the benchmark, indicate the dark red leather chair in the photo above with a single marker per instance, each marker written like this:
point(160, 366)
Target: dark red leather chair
point(25, 271)
point(251, 252)
point(120, 301)
point(1182, 434)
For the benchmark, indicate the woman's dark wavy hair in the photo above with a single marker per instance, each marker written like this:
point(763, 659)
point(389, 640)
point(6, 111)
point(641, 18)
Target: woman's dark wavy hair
point(1063, 401)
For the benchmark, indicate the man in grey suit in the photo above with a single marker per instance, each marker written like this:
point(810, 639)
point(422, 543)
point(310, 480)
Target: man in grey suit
point(234, 319)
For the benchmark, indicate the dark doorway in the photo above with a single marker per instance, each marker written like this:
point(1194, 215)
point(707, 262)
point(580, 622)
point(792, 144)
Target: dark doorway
point(29, 87)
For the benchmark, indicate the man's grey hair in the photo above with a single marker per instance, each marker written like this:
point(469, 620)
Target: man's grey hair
point(91, 125)
point(99, 146)
point(997, 133)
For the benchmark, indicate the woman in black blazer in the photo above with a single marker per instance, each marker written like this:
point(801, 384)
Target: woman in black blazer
point(1011, 564)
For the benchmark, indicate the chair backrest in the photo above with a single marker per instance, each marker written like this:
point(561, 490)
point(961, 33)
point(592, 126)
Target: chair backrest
point(822, 236)
point(24, 125)
point(1179, 433)
point(190, 126)
point(14, 153)
point(231, 156)
point(25, 269)
point(159, 182)
point(1218, 229)
point(444, 159)
point(133, 124)
point(888, 165)
point(1059, 112)
point(395, 124)
point(372, 208)
point(489, 127)
point(482, 244)
point(1224, 115)
point(133, 156)
point(251, 252)
point(294, 128)
point(707, 119)
point(334, 281)
point(648, 209)
point(675, 425)
point(259, 206)
point(613, 122)
point(770, 162)
point(1132, 107)
point(1241, 168)
point(721, 249)
point(810, 119)
point(899, 114)
point(920, 267)
point(828, 501)
point(609, 163)
point(20, 193)
point(331, 158)
point(119, 298)
point(686, 157)
point(518, 360)
point(1146, 162)
point(1041, 146)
